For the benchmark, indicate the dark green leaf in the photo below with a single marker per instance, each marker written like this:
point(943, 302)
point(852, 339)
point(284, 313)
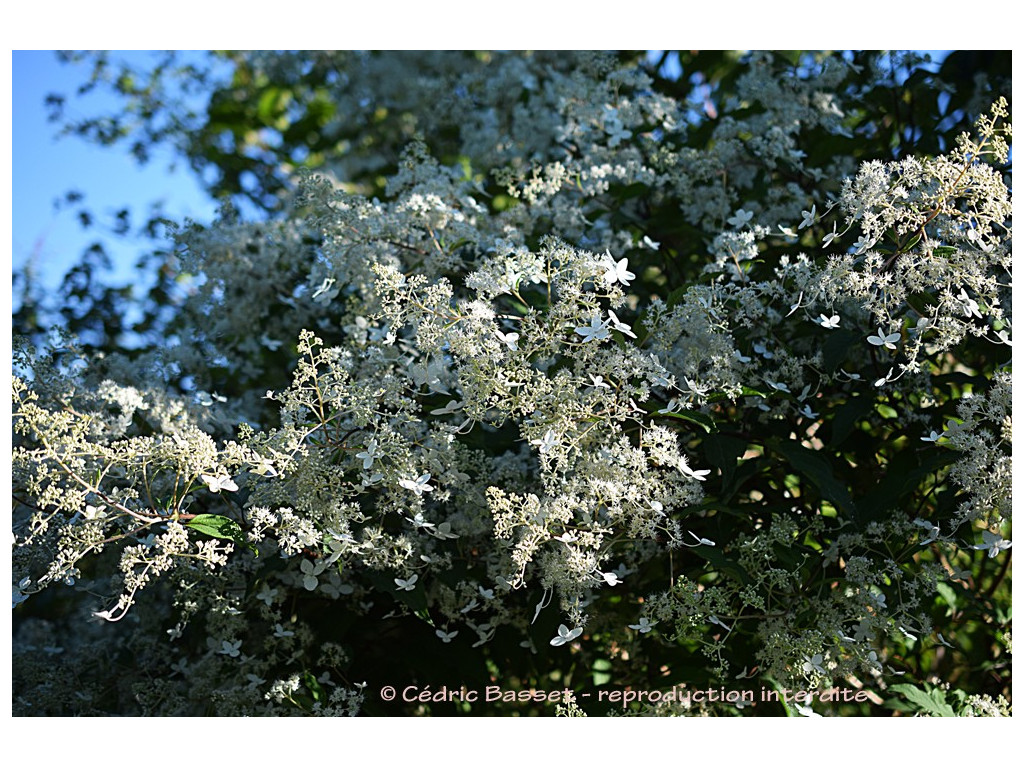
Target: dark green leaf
point(903, 474)
point(914, 240)
point(694, 417)
point(744, 392)
point(933, 702)
point(220, 527)
point(922, 301)
point(846, 418)
point(816, 467)
point(836, 348)
point(723, 563)
point(723, 451)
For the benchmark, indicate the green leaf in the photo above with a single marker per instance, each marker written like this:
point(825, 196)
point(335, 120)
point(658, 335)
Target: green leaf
point(816, 467)
point(746, 470)
point(677, 296)
point(744, 392)
point(269, 106)
point(923, 301)
point(601, 671)
point(933, 702)
point(948, 595)
point(315, 689)
point(723, 451)
point(836, 347)
point(914, 240)
point(903, 474)
point(723, 563)
point(636, 189)
point(886, 411)
point(694, 417)
point(220, 527)
point(847, 416)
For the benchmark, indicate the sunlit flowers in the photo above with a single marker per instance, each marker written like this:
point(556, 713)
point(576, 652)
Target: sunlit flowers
point(218, 483)
point(546, 443)
point(992, 543)
point(617, 325)
point(617, 271)
point(419, 486)
point(696, 474)
point(510, 340)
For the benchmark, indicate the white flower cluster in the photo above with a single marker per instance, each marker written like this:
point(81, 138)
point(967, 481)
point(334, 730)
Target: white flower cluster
point(442, 411)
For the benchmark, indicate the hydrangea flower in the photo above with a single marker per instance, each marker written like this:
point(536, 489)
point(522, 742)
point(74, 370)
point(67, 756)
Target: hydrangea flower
point(94, 513)
point(596, 331)
point(617, 271)
point(862, 245)
point(992, 543)
point(444, 531)
point(407, 585)
point(883, 339)
point(419, 485)
point(830, 237)
point(969, 305)
point(218, 483)
point(813, 664)
point(326, 291)
point(446, 637)
point(933, 530)
point(696, 474)
point(611, 579)
point(508, 339)
point(828, 322)
point(370, 454)
point(231, 649)
point(267, 594)
point(740, 218)
point(453, 406)
point(566, 635)
point(546, 443)
point(619, 326)
point(643, 626)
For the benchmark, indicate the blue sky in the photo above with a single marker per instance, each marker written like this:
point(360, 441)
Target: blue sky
point(45, 167)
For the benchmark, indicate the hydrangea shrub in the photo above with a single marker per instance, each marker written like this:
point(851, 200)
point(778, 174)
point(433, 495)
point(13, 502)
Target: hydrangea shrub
point(554, 372)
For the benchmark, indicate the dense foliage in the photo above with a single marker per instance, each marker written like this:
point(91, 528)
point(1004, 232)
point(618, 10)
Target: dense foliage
point(583, 371)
